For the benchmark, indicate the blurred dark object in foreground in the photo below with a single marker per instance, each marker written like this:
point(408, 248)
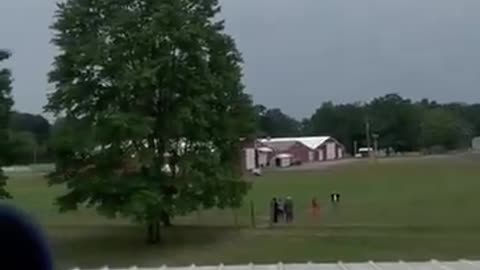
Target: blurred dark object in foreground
point(22, 244)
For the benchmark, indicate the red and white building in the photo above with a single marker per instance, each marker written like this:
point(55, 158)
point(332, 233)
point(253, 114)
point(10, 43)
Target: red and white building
point(284, 152)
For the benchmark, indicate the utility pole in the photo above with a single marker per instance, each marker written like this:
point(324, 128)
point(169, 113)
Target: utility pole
point(375, 145)
point(367, 134)
point(256, 152)
point(35, 154)
point(355, 148)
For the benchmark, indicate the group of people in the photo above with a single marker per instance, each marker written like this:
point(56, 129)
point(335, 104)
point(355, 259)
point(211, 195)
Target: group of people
point(281, 210)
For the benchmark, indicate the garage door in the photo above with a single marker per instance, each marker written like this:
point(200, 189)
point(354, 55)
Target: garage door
point(331, 153)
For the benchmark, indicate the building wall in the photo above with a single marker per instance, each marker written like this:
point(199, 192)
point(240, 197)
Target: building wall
point(302, 153)
point(321, 153)
point(263, 159)
point(250, 158)
point(246, 144)
point(476, 144)
point(340, 151)
point(331, 150)
point(322, 149)
point(299, 152)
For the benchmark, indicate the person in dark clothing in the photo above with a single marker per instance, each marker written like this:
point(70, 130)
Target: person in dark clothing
point(274, 210)
point(281, 209)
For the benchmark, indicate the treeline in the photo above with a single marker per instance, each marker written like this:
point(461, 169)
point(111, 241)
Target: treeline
point(30, 139)
point(400, 123)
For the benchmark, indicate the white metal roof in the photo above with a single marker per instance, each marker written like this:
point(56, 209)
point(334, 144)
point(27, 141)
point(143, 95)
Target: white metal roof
point(265, 149)
point(399, 265)
point(310, 142)
point(284, 155)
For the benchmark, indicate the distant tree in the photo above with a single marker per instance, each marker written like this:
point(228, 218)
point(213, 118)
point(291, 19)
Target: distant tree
point(275, 123)
point(472, 116)
point(24, 147)
point(441, 127)
point(400, 123)
point(39, 127)
point(306, 127)
point(35, 124)
point(259, 111)
point(6, 103)
point(57, 127)
point(468, 115)
point(345, 122)
point(154, 109)
point(428, 104)
point(396, 120)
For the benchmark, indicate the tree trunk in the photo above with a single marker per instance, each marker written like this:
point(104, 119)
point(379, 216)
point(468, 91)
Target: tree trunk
point(153, 232)
point(165, 219)
point(150, 233)
point(157, 232)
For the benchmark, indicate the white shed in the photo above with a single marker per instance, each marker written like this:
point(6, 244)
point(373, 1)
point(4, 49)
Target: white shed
point(249, 158)
point(476, 144)
point(263, 153)
point(283, 160)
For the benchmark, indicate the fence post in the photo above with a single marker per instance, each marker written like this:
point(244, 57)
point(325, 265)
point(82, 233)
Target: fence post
point(252, 214)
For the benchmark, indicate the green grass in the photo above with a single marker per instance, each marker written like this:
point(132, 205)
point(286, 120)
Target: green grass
point(418, 209)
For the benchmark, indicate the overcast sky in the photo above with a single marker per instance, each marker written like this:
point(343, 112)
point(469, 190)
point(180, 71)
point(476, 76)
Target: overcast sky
point(300, 53)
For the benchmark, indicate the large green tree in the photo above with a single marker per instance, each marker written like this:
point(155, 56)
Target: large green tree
point(345, 122)
point(396, 121)
point(154, 108)
point(443, 128)
point(35, 124)
point(275, 123)
point(24, 147)
point(30, 137)
point(6, 103)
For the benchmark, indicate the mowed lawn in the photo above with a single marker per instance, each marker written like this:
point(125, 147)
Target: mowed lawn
point(413, 210)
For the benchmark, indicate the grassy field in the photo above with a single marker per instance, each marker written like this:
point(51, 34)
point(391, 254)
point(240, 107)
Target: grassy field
point(412, 210)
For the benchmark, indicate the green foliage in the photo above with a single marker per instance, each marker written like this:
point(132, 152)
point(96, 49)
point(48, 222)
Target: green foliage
point(345, 122)
point(400, 123)
point(441, 127)
point(30, 136)
point(34, 124)
point(24, 147)
point(275, 123)
point(6, 104)
point(154, 108)
point(396, 120)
